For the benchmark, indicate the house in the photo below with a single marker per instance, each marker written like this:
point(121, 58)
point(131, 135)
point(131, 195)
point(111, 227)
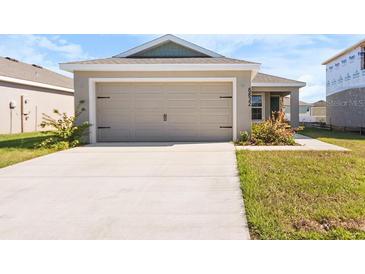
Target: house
point(345, 88)
point(318, 111)
point(27, 91)
point(172, 90)
point(308, 112)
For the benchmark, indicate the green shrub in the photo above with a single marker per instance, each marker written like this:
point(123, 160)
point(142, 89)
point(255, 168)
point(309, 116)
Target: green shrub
point(66, 132)
point(244, 136)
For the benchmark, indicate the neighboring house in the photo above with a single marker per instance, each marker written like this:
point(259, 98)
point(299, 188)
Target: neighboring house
point(318, 111)
point(27, 91)
point(308, 112)
point(172, 90)
point(345, 90)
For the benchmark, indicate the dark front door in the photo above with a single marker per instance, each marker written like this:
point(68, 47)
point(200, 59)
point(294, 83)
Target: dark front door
point(274, 104)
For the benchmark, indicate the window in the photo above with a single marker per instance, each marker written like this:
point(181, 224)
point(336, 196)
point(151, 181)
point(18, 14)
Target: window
point(256, 107)
point(363, 58)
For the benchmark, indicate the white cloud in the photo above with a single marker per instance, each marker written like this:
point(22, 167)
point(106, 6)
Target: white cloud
point(42, 50)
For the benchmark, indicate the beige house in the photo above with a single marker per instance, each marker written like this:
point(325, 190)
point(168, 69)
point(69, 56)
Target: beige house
point(27, 91)
point(172, 90)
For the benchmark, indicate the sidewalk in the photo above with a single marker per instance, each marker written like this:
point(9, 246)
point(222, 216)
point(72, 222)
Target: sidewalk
point(305, 144)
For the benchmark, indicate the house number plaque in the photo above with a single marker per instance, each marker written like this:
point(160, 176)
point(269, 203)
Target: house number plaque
point(249, 96)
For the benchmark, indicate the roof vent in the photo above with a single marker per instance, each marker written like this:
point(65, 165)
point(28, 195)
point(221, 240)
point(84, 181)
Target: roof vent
point(11, 59)
point(37, 66)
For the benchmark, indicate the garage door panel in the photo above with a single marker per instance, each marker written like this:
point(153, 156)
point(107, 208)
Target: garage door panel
point(219, 103)
point(113, 135)
point(185, 118)
point(113, 120)
point(222, 119)
point(135, 112)
point(182, 104)
point(149, 117)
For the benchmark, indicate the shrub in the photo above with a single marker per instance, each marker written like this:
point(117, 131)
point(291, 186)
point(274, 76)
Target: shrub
point(66, 133)
point(244, 136)
point(275, 131)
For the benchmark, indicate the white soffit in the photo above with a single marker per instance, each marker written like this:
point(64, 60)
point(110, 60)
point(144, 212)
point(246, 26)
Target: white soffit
point(34, 84)
point(158, 67)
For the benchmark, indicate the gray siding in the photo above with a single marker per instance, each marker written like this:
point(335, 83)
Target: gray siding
point(347, 108)
point(169, 49)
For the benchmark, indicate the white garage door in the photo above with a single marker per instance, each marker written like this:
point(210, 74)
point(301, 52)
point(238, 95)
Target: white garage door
point(163, 112)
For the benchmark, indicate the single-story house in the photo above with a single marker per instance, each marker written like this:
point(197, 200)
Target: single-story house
point(318, 111)
point(27, 91)
point(345, 88)
point(172, 90)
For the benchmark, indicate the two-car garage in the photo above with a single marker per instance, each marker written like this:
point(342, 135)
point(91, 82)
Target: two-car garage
point(163, 111)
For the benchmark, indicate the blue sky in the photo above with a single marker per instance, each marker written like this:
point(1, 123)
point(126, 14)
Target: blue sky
point(297, 57)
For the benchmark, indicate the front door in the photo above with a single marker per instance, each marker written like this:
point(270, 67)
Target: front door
point(274, 104)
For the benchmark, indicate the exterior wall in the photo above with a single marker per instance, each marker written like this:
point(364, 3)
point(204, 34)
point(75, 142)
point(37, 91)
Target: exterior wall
point(318, 111)
point(345, 72)
point(81, 84)
point(347, 108)
point(345, 91)
point(39, 100)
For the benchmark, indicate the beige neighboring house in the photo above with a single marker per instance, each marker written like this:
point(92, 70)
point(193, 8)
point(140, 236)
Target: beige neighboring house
point(172, 90)
point(27, 91)
point(308, 112)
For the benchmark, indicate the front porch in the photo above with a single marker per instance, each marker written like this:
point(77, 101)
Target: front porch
point(268, 100)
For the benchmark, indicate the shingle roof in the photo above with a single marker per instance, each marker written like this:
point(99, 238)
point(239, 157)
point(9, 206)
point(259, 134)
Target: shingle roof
point(19, 70)
point(193, 60)
point(301, 103)
point(320, 103)
point(267, 78)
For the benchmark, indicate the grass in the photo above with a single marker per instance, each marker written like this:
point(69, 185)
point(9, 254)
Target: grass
point(15, 148)
point(306, 195)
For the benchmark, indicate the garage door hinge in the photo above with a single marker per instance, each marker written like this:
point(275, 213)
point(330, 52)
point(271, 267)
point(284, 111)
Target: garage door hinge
point(103, 97)
point(223, 97)
point(225, 127)
point(102, 127)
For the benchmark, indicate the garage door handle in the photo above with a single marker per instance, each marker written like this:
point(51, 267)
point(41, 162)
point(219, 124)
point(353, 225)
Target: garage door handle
point(165, 117)
point(225, 97)
point(225, 127)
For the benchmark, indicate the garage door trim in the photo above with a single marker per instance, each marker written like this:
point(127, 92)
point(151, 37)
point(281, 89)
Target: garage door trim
point(92, 95)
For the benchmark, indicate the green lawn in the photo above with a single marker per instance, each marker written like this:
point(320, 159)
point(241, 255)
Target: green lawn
point(306, 195)
point(16, 148)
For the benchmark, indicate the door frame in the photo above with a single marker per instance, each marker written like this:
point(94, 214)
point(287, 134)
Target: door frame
point(92, 95)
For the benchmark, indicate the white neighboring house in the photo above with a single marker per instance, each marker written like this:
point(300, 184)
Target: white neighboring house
point(345, 87)
point(27, 91)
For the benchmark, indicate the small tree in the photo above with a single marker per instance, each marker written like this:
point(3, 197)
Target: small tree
point(66, 132)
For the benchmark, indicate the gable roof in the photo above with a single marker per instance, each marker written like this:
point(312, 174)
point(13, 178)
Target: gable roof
point(166, 39)
point(301, 103)
point(136, 59)
point(359, 44)
point(320, 103)
point(12, 70)
point(266, 80)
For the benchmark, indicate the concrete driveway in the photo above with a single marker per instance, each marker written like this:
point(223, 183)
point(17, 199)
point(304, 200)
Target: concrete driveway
point(125, 191)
